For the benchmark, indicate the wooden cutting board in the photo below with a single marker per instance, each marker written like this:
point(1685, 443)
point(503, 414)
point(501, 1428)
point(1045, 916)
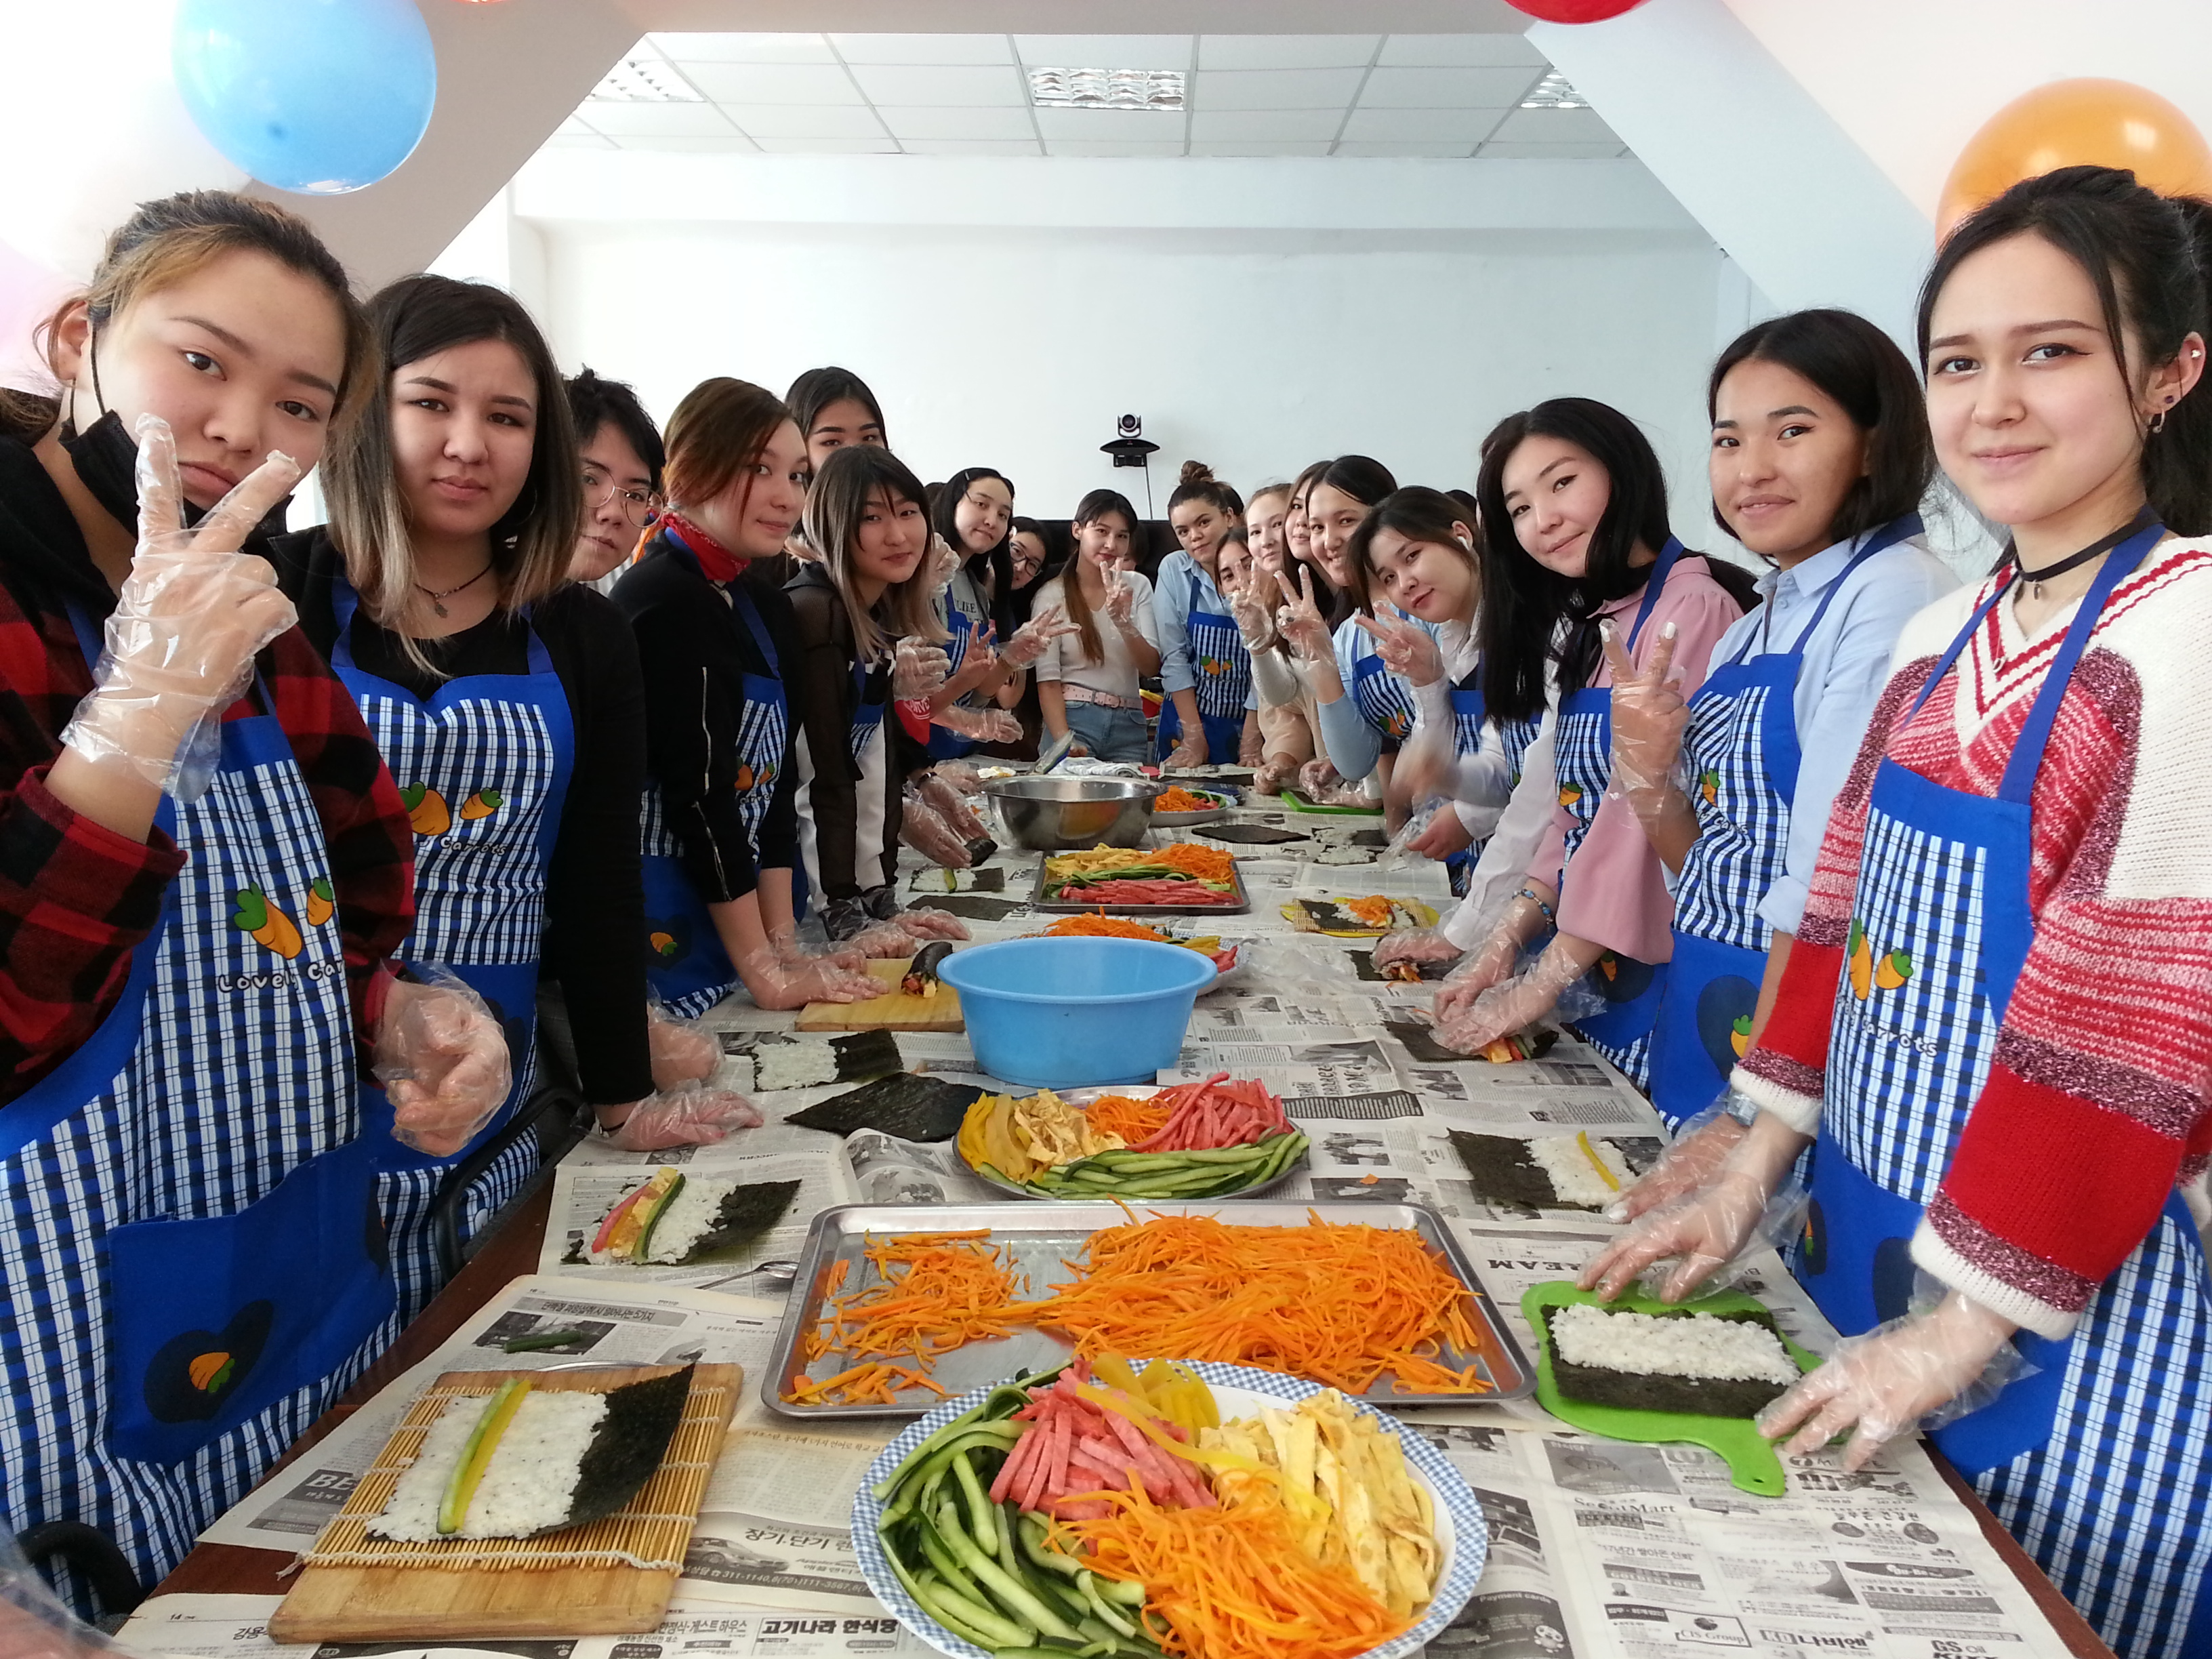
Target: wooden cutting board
point(894, 1012)
point(418, 1602)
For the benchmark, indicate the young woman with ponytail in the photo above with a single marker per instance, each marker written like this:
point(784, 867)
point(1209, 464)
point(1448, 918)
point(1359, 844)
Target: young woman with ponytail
point(1996, 1018)
point(1206, 671)
point(1087, 679)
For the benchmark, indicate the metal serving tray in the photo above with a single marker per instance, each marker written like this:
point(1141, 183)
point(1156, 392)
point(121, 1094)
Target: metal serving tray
point(1044, 1237)
point(1038, 900)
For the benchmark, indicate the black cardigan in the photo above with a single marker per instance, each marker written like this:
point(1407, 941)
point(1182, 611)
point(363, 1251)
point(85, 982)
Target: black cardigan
point(695, 652)
point(594, 896)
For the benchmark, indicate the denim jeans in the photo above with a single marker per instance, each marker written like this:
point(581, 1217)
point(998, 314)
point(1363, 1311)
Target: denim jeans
point(1110, 734)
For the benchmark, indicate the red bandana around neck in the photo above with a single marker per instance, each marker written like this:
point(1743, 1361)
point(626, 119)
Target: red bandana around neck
point(716, 562)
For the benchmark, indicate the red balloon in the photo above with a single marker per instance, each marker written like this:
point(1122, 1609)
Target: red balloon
point(1574, 11)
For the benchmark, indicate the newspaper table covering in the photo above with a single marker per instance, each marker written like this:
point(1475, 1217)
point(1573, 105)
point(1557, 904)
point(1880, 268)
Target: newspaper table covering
point(1600, 1549)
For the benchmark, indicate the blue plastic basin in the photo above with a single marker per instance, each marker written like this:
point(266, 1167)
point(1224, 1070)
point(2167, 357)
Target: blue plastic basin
point(1062, 1013)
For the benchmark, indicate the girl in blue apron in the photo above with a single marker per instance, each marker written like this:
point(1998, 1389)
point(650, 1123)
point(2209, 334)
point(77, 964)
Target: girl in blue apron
point(507, 703)
point(1821, 455)
point(867, 517)
point(190, 1255)
point(975, 518)
point(1206, 673)
point(1365, 713)
point(1995, 1015)
point(1575, 508)
point(720, 826)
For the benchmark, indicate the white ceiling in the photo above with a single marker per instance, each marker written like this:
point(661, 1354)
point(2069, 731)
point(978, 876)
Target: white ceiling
point(968, 95)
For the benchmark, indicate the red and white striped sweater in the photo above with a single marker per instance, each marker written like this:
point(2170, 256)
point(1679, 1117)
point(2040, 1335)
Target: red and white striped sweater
point(2098, 1098)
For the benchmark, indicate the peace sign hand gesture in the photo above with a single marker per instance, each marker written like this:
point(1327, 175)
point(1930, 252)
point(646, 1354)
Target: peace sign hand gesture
point(1649, 716)
point(1408, 650)
point(1300, 618)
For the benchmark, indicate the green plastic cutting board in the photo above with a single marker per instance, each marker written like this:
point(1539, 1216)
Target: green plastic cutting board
point(1298, 802)
point(1749, 1454)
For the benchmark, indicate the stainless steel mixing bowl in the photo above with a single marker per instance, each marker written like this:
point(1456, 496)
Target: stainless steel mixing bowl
point(1055, 814)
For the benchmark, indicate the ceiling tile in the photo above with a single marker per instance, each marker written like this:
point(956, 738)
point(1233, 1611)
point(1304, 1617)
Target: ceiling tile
point(1410, 148)
point(1508, 151)
point(1445, 89)
point(580, 141)
point(1111, 125)
point(1534, 126)
point(1265, 124)
point(1422, 125)
point(1468, 50)
point(935, 84)
point(971, 147)
point(1113, 147)
point(830, 146)
point(745, 48)
point(806, 120)
point(570, 128)
point(1281, 147)
point(1167, 52)
point(774, 83)
point(1257, 51)
point(732, 143)
point(661, 120)
point(923, 48)
point(1300, 88)
point(963, 123)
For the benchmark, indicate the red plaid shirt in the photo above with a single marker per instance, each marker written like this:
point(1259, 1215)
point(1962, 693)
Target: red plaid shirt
point(76, 898)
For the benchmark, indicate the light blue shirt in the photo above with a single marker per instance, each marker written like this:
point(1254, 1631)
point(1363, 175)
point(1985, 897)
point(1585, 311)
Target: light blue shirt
point(1172, 591)
point(1354, 746)
point(1846, 665)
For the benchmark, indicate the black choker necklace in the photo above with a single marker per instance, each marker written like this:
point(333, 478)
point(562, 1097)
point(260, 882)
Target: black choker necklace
point(2035, 579)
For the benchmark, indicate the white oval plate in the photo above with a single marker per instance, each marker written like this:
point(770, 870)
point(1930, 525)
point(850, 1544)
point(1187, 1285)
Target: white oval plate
point(1133, 1092)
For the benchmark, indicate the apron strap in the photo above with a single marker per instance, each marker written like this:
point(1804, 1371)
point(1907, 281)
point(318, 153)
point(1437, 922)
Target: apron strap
point(741, 603)
point(1896, 531)
point(1657, 580)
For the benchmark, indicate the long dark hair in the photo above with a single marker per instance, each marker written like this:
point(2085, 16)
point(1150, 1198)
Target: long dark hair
point(2148, 256)
point(1523, 605)
point(999, 561)
point(1367, 480)
point(1858, 365)
point(840, 492)
point(1077, 608)
point(1419, 514)
point(817, 388)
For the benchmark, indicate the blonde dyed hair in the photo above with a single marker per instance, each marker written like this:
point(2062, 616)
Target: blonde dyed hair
point(842, 490)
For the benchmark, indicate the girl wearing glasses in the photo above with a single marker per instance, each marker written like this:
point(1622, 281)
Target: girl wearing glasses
point(621, 456)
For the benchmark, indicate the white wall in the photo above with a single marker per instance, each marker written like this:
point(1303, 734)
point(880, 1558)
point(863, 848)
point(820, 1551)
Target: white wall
point(1256, 351)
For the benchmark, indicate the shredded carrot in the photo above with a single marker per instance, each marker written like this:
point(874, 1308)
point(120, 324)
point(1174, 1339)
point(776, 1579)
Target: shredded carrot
point(1097, 924)
point(1343, 1306)
point(1176, 799)
point(1206, 863)
point(933, 1291)
point(1232, 1583)
point(1132, 1120)
point(1374, 909)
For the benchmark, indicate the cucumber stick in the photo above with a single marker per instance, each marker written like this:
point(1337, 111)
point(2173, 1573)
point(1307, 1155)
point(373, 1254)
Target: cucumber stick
point(483, 1440)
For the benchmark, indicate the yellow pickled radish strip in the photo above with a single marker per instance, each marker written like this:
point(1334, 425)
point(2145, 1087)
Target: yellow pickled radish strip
point(1583, 1139)
point(483, 1440)
point(1212, 1457)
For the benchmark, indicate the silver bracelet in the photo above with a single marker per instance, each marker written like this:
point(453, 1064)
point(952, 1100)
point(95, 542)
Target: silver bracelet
point(1529, 893)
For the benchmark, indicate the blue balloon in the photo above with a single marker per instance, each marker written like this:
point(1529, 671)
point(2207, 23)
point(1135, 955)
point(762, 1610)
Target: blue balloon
point(315, 96)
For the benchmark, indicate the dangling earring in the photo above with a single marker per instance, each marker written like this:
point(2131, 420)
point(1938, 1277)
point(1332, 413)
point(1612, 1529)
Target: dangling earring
point(2158, 422)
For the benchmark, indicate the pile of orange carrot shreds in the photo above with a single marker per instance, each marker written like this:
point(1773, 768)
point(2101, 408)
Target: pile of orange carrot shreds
point(1342, 1305)
point(1206, 863)
point(1097, 924)
point(934, 1292)
point(1132, 1120)
point(1233, 1584)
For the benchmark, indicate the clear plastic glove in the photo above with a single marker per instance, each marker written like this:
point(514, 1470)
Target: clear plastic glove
point(923, 828)
point(1699, 1235)
point(790, 950)
point(1490, 964)
point(1031, 638)
point(1700, 1146)
point(1508, 1007)
point(33, 1623)
point(443, 1061)
point(944, 563)
point(779, 984)
point(979, 725)
point(1933, 1366)
point(684, 1117)
point(1444, 835)
point(1317, 778)
point(922, 925)
point(1251, 747)
point(1407, 649)
point(946, 801)
point(959, 775)
point(1274, 777)
point(1300, 621)
point(1254, 618)
point(883, 941)
point(1649, 718)
point(918, 668)
point(683, 1051)
point(191, 615)
point(1415, 944)
point(1190, 750)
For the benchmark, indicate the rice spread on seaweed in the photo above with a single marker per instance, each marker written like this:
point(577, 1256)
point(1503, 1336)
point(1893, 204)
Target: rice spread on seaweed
point(1708, 1364)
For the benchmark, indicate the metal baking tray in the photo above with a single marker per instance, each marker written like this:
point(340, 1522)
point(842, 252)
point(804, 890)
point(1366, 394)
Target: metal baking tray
point(1044, 1237)
point(1038, 900)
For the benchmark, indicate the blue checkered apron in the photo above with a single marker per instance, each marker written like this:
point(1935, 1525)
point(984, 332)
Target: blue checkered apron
point(1741, 747)
point(1223, 671)
point(483, 765)
point(2098, 1463)
point(1384, 701)
point(193, 1260)
point(1581, 753)
point(963, 615)
point(1470, 716)
point(688, 970)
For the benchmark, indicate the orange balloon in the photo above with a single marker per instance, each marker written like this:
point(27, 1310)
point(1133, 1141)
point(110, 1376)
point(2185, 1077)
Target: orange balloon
point(2113, 124)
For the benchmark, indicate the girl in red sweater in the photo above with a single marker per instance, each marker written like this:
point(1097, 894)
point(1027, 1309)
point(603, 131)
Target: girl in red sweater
point(1998, 1019)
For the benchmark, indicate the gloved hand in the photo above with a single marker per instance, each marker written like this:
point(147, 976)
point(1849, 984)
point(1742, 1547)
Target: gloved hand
point(1407, 649)
point(1700, 1146)
point(923, 828)
point(778, 983)
point(959, 775)
point(1415, 944)
point(947, 802)
point(1300, 621)
point(443, 1061)
point(1517, 1002)
point(1490, 963)
point(981, 724)
point(684, 1117)
point(191, 615)
point(922, 925)
point(1120, 599)
point(1649, 718)
point(791, 950)
point(1444, 835)
point(682, 1052)
point(944, 563)
point(917, 670)
point(1923, 1370)
point(1700, 1234)
point(1254, 618)
point(1189, 750)
point(1251, 747)
point(1274, 777)
point(1316, 777)
point(884, 941)
point(1032, 636)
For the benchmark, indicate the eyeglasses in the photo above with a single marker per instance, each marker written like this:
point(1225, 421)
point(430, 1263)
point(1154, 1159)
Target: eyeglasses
point(637, 506)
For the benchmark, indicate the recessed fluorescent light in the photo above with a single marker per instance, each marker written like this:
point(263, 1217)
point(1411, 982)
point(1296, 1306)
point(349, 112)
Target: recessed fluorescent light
point(645, 81)
point(1553, 92)
point(1105, 88)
